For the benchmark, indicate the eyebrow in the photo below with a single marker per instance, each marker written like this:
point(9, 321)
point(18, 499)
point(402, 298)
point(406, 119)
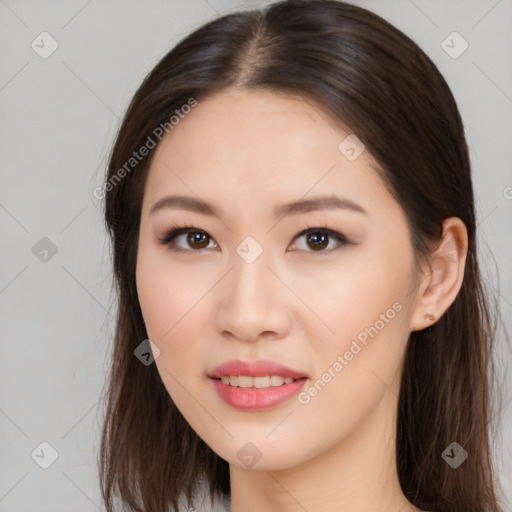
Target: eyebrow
point(192, 204)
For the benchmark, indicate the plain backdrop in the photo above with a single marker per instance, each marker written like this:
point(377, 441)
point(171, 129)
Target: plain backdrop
point(59, 114)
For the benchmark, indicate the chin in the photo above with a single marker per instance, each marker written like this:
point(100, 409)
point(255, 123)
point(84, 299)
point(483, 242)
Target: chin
point(262, 455)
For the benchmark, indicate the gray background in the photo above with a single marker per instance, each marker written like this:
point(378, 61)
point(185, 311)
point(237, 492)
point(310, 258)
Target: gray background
point(59, 116)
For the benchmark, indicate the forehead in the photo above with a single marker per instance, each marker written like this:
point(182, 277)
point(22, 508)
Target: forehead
point(254, 145)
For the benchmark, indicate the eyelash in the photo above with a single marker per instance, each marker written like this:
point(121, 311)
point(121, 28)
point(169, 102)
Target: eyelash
point(176, 230)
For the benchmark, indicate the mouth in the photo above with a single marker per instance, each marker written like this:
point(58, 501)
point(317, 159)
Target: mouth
point(256, 385)
point(262, 382)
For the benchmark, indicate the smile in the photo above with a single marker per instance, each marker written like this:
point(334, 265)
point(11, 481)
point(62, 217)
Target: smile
point(245, 381)
point(256, 385)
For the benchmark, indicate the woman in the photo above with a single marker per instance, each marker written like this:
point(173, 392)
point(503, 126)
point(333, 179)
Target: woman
point(290, 203)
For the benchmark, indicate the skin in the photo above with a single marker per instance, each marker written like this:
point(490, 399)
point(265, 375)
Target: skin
point(245, 152)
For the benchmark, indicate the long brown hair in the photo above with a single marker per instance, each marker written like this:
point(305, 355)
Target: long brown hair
point(362, 72)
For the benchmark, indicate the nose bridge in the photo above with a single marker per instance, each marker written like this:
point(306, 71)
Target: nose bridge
point(252, 302)
point(251, 277)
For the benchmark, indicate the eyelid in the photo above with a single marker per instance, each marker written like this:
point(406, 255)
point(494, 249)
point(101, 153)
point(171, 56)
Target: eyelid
point(342, 239)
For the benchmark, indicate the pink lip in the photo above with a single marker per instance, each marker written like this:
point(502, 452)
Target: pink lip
point(255, 369)
point(256, 398)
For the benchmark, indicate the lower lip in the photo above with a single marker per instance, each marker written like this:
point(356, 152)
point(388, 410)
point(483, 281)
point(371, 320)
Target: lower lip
point(257, 399)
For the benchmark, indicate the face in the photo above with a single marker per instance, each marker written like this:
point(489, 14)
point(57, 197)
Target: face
point(323, 289)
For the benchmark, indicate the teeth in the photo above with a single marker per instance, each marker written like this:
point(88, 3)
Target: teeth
point(244, 381)
point(276, 380)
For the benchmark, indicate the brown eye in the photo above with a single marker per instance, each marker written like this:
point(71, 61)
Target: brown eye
point(317, 240)
point(198, 239)
point(186, 238)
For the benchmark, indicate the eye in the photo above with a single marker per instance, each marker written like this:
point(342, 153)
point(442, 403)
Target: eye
point(317, 239)
point(196, 238)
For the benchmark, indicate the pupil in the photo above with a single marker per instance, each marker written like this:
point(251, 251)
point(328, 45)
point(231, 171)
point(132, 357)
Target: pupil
point(198, 239)
point(318, 240)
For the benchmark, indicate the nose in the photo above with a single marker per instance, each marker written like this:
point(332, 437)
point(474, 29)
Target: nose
point(254, 303)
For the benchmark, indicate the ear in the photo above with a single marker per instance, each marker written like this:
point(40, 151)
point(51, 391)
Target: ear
point(441, 281)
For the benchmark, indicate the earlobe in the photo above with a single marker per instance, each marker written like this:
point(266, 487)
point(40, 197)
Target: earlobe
point(441, 283)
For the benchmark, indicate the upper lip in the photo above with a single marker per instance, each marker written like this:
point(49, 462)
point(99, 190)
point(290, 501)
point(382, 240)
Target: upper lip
point(255, 369)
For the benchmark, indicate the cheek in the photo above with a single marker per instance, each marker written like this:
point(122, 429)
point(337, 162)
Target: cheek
point(167, 293)
point(367, 313)
point(167, 308)
point(364, 295)
point(172, 300)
